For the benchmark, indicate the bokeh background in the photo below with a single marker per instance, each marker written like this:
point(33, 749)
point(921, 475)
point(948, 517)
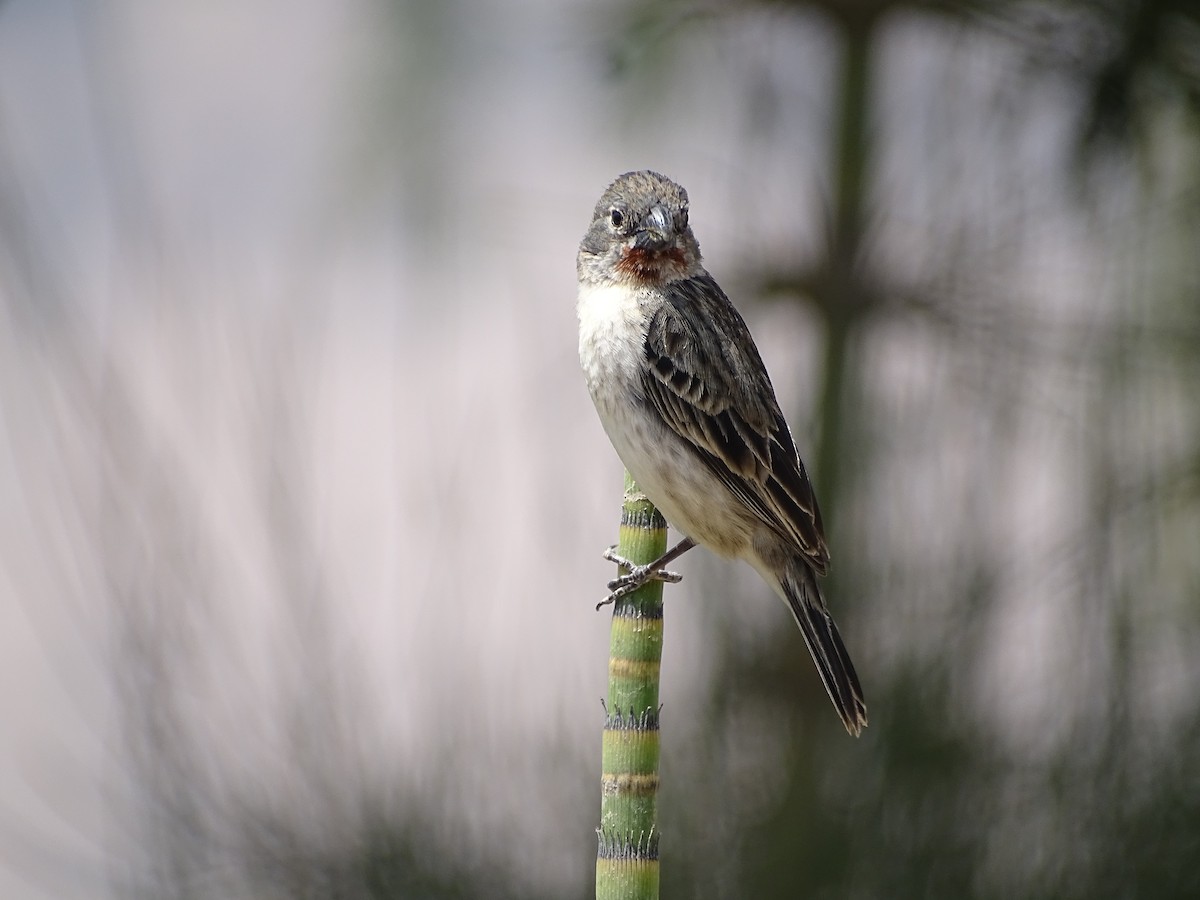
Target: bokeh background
point(303, 497)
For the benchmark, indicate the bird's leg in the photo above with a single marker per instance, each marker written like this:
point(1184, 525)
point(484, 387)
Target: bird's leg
point(639, 575)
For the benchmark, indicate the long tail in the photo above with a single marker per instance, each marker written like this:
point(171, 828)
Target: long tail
point(804, 598)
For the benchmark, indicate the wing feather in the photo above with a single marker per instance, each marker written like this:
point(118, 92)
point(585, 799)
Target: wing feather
point(706, 379)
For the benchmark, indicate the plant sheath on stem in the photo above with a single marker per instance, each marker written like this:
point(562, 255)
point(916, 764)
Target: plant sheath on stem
point(627, 858)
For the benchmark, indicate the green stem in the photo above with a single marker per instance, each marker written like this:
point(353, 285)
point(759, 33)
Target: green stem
point(627, 859)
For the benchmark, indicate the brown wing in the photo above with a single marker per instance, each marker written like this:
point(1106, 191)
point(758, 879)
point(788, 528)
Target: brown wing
point(706, 379)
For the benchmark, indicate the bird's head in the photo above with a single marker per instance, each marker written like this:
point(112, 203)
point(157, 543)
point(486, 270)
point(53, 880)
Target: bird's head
point(640, 234)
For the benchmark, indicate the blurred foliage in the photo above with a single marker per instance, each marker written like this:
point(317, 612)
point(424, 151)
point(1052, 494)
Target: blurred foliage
point(1135, 62)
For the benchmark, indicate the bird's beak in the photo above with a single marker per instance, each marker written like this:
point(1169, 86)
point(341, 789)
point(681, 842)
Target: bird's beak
point(655, 231)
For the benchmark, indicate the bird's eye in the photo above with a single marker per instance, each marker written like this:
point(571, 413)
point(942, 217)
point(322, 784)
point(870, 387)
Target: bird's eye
point(616, 217)
point(683, 219)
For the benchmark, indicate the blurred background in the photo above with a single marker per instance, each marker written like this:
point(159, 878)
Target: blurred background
point(304, 498)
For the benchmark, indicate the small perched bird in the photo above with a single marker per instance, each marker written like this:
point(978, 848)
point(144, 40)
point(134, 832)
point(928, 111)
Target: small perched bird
point(687, 403)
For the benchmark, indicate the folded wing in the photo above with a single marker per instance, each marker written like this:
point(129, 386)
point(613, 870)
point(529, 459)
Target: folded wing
point(706, 379)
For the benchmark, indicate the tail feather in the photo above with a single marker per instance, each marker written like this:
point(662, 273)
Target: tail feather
point(837, 673)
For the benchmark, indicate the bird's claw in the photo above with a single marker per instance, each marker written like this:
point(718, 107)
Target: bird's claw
point(639, 575)
point(634, 578)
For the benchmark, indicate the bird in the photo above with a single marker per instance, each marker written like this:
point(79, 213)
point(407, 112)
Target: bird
point(685, 399)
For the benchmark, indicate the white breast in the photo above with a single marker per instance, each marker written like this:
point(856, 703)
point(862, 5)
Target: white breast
point(612, 330)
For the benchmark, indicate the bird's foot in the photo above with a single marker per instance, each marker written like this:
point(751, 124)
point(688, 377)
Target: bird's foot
point(634, 578)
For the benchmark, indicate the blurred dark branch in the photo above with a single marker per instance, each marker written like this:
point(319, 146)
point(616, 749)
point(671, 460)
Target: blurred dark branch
point(840, 294)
